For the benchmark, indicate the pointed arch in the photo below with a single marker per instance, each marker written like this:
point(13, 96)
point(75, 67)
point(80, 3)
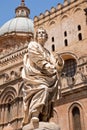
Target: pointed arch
point(52, 22)
point(66, 16)
point(76, 108)
point(77, 9)
point(8, 94)
point(69, 55)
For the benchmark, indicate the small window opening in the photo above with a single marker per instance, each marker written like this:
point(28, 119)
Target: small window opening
point(66, 42)
point(53, 47)
point(80, 36)
point(76, 119)
point(79, 27)
point(52, 39)
point(65, 33)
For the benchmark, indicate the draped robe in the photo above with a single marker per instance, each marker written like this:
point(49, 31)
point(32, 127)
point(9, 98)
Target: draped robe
point(40, 82)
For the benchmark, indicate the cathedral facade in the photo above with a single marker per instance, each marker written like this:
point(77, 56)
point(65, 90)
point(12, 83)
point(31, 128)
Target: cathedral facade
point(66, 25)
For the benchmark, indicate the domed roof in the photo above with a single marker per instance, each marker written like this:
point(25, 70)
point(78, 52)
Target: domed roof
point(21, 23)
point(18, 24)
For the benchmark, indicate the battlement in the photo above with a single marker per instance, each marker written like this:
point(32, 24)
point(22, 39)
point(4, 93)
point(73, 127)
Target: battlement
point(55, 11)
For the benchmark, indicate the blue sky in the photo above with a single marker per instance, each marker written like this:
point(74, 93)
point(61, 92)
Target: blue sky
point(7, 8)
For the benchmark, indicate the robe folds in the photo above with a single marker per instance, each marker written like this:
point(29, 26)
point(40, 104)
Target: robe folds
point(40, 82)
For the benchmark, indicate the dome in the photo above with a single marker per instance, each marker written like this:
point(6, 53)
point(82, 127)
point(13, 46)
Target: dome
point(17, 24)
point(20, 24)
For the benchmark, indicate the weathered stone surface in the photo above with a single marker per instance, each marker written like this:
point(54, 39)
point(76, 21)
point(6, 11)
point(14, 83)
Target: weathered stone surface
point(42, 126)
point(9, 127)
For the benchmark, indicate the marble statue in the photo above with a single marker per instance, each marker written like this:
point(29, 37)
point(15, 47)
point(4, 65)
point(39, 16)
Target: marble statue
point(40, 75)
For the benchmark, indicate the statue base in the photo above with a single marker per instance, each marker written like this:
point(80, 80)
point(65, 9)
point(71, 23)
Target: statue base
point(42, 126)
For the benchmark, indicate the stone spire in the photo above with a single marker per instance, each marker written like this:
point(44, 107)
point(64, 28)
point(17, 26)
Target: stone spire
point(22, 10)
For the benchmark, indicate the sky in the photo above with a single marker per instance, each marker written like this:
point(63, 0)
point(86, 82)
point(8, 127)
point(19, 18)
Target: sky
point(7, 8)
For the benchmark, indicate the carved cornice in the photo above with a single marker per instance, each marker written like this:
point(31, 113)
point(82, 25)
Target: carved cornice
point(13, 57)
point(72, 95)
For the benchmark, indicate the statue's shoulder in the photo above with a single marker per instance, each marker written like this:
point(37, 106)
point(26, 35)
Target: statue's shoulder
point(32, 44)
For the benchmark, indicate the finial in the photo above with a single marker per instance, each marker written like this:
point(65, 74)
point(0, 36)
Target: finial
point(22, 2)
point(22, 10)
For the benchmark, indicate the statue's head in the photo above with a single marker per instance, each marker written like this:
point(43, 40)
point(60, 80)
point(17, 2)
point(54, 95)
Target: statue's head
point(41, 36)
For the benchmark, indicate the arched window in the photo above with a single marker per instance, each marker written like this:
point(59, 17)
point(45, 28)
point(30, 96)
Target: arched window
point(22, 12)
point(53, 47)
point(80, 36)
point(79, 27)
point(52, 39)
point(66, 42)
point(76, 119)
point(70, 66)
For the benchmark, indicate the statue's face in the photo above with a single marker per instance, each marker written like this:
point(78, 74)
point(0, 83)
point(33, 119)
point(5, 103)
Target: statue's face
point(41, 36)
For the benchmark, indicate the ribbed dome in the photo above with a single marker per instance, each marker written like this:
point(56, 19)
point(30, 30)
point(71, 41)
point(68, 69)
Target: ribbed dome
point(18, 24)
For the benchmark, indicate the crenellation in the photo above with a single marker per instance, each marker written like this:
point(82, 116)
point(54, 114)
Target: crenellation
point(66, 2)
point(52, 10)
point(47, 13)
point(59, 6)
point(36, 19)
point(41, 16)
point(57, 11)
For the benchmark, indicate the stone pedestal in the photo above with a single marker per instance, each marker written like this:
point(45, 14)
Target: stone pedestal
point(42, 126)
